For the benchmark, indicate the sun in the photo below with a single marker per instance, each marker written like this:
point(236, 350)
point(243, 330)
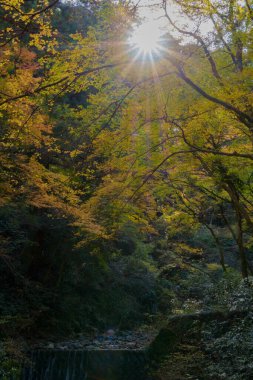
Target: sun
point(146, 38)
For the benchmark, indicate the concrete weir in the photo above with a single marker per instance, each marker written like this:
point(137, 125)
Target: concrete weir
point(87, 365)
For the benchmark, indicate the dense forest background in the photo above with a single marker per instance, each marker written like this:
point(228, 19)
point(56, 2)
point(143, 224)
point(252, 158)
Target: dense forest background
point(126, 184)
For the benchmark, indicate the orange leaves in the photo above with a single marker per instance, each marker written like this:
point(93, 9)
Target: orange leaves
point(44, 189)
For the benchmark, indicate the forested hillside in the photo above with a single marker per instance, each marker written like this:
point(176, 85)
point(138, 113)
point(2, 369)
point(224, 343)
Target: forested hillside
point(126, 167)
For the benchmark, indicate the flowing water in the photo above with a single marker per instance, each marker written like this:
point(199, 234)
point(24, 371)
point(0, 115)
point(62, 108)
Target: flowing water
point(87, 365)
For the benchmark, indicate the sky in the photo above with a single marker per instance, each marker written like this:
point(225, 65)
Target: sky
point(152, 12)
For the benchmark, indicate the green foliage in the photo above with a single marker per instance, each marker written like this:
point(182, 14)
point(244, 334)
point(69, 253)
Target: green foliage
point(11, 357)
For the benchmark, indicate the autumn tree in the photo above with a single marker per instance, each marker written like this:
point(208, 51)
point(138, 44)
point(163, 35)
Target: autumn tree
point(194, 107)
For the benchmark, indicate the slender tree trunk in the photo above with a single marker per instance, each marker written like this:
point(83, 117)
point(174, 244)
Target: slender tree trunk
point(219, 246)
point(228, 224)
point(243, 259)
point(240, 215)
point(245, 265)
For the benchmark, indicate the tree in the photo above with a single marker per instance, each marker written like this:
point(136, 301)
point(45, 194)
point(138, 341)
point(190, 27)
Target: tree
point(206, 116)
